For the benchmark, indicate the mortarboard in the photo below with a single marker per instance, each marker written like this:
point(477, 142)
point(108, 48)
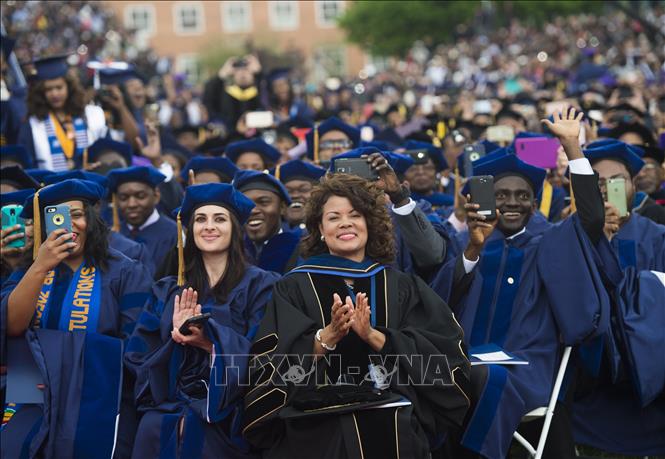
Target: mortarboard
point(18, 178)
point(38, 174)
point(221, 194)
point(489, 146)
point(50, 68)
point(655, 153)
point(246, 180)
point(617, 151)
point(269, 154)
point(16, 197)
point(116, 76)
point(76, 174)
point(223, 167)
point(500, 164)
point(298, 170)
point(278, 73)
point(421, 150)
point(331, 124)
point(400, 163)
point(17, 153)
point(105, 144)
point(67, 190)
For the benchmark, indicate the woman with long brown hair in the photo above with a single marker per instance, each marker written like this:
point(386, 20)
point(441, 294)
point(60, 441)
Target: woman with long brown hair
point(343, 332)
point(190, 378)
point(61, 125)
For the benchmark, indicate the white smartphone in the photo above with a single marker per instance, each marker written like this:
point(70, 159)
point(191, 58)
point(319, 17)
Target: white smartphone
point(259, 120)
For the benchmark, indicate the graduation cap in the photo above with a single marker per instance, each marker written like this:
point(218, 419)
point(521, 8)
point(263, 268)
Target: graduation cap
point(16, 197)
point(298, 170)
point(616, 151)
point(278, 73)
point(502, 164)
point(50, 68)
point(38, 174)
point(269, 153)
point(331, 124)
point(400, 163)
point(118, 76)
point(246, 180)
point(490, 146)
point(143, 174)
point(67, 190)
point(7, 46)
point(106, 144)
point(420, 151)
point(18, 178)
point(18, 153)
point(655, 153)
point(510, 113)
point(635, 128)
point(76, 174)
point(223, 167)
point(221, 194)
point(378, 144)
point(295, 128)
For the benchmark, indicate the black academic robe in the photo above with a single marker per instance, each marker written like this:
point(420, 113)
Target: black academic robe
point(430, 372)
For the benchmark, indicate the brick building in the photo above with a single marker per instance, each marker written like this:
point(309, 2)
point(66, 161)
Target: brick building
point(185, 30)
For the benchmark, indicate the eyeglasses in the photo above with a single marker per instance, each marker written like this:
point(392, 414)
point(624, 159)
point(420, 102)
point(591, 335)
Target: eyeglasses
point(331, 144)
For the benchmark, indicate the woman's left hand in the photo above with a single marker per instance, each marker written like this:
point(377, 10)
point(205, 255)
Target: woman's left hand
point(362, 324)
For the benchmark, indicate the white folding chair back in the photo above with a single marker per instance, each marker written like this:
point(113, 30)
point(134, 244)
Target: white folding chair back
point(545, 411)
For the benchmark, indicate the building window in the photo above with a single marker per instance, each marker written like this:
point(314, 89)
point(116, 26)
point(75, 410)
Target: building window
point(236, 16)
point(190, 66)
point(283, 15)
point(140, 18)
point(328, 11)
point(188, 18)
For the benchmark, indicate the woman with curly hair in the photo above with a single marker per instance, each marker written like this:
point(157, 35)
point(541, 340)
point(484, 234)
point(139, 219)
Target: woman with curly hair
point(61, 126)
point(357, 334)
point(70, 309)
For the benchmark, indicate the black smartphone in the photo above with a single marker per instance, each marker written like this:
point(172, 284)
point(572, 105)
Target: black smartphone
point(482, 193)
point(470, 154)
point(197, 320)
point(355, 166)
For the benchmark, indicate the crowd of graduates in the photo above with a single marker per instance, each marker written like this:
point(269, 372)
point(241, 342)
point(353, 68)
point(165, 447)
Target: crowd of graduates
point(161, 251)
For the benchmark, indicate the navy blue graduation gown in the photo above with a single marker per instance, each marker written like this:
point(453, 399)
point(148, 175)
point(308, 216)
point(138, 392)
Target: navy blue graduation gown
point(131, 249)
point(417, 324)
point(158, 238)
point(279, 254)
point(520, 300)
point(177, 384)
point(625, 414)
point(82, 370)
point(640, 243)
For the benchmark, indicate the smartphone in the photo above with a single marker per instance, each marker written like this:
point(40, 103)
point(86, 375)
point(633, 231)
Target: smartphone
point(616, 195)
point(197, 320)
point(57, 217)
point(10, 217)
point(500, 133)
point(482, 192)
point(259, 120)
point(470, 154)
point(538, 151)
point(355, 166)
point(106, 92)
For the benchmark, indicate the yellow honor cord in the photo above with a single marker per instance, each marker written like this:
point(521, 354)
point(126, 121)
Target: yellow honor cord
point(458, 186)
point(546, 199)
point(85, 159)
point(277, 168)
point(37, 225)
point(316, 145)
point(181, 254)
point(116, 216)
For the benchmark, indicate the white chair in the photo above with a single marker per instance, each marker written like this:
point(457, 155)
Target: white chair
point(546, 411)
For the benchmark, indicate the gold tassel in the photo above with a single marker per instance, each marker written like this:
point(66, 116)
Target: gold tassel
point(573, 207)
point(458, 186)
point(85, 159)
point(192, 177)
point(546, 199)
point(316, 145)
point(440, 130)
point(116, 216)
point(37, 225)
point(277, 171)
point(181, 254)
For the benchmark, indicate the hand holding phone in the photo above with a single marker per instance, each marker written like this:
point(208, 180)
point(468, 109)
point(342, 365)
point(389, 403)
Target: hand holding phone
point(500, 133)
point(195, 321)
point(11, 219)
point(355, 166)
point(259, 119)
point(482, 193)
point(616, 195)
point(57, 217)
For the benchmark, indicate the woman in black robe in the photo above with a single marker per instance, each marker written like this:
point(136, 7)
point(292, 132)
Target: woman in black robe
point(344, 316)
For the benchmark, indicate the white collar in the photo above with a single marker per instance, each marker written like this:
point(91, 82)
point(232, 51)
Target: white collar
point(281, 230)
point(154, 216)
point(523, 230)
